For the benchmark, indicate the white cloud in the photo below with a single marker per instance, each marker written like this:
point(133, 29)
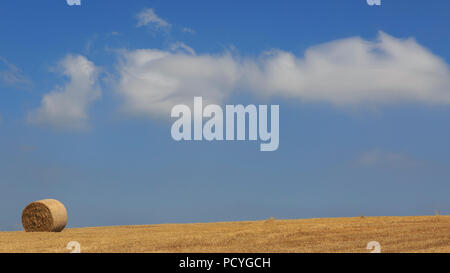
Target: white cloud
point(349, 71)
point(378, 158)
point(10, 75)
point(182, 46)
point(152, 81)
point(148, 17)
point(67, 106)
point(188, 30)
point(353, 70)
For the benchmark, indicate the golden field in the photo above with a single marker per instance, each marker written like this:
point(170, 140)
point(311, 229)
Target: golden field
point(395, 234)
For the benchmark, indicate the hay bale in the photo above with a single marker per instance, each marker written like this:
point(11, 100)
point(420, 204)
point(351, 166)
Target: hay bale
point(48, 215)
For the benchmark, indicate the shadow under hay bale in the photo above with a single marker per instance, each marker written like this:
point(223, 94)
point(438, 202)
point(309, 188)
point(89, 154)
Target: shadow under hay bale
point(48, 215)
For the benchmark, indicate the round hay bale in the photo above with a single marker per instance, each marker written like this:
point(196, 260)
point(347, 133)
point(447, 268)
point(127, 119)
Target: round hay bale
point(48, 215)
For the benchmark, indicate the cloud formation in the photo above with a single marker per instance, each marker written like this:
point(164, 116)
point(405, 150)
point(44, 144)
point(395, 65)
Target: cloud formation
point(152, 81)
point(188, 30)
point(183, 47)
point(12, 76)
point(148, 17)
point(349, 71)
point(379, 158)
point(353, 71)
point(66, 106)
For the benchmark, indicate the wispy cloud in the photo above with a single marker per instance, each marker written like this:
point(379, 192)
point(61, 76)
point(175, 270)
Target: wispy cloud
point(148, 17)
point(12, 76)
point(180, 46)
point(66, 107)
point(350, 71)
point(188, 30)
point(379, 158)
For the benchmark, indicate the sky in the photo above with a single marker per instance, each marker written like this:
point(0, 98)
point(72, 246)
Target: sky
point(86, 93)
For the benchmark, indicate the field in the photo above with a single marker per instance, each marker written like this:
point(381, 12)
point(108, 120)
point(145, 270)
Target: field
point(395, 234)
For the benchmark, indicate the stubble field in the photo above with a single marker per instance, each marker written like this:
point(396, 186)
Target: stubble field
point(395, 234)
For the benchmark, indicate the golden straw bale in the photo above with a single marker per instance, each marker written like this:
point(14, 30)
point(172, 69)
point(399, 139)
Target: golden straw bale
point(48, 215)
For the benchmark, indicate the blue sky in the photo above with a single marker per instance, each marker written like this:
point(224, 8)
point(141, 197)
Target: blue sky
point(365, 134)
